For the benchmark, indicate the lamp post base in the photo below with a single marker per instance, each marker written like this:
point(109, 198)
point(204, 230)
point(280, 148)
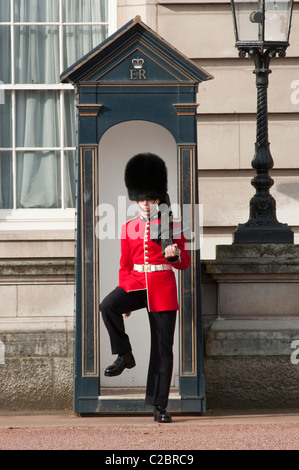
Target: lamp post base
point(263, 234)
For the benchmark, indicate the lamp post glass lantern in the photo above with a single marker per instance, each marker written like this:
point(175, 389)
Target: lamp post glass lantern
point(262, 30)
point(262, 23)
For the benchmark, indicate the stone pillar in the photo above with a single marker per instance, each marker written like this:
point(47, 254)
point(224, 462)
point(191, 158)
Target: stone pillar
point(251, 316)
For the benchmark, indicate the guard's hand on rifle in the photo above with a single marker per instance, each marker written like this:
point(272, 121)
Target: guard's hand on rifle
point(171, 251)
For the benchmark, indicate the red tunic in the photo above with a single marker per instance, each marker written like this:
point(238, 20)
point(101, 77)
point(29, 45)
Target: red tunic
point(138, 248)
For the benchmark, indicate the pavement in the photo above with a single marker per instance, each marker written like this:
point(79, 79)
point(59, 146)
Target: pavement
point(216, 430)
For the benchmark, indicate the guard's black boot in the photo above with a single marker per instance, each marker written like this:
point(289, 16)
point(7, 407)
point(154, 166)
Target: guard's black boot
point(161, 415)
point(125, 361)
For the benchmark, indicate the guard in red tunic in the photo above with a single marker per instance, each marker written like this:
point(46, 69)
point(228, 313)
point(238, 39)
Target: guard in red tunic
point(150, 252)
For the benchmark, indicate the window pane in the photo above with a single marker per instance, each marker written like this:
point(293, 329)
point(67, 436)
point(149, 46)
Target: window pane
point(36, 10)
point(38, 119)
point(6, 192)
point(78, 40)
point(4, 10)
point(38, 180)
point(87, 10)
point(5, 118)
point(37, 54)
point(69, 119)
point(69, 179)
point(5, 61)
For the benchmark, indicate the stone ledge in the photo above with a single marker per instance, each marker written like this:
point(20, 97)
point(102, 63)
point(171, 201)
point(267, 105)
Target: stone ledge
point(44, 324)
point(258, 250)
point(251, 337)
point(254, 259)
point(38, 344)
point(43, 271)
point(34, 267)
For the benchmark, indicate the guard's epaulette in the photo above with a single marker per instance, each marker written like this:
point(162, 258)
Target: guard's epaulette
point(130, 220)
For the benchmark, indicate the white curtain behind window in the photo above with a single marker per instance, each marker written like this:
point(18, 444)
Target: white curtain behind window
point(79, 40)
point(38, 173)
point(6, 201)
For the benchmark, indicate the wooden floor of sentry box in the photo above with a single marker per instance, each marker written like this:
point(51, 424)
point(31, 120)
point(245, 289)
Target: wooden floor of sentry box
point(127, 401)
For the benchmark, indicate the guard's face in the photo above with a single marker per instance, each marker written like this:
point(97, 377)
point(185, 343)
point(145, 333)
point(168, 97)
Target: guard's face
point(146, 205)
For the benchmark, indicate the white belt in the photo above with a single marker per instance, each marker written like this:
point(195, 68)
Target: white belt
point(147, 268)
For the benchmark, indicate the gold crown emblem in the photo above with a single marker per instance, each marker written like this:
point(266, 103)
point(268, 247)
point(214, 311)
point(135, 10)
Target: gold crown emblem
point(137, 63)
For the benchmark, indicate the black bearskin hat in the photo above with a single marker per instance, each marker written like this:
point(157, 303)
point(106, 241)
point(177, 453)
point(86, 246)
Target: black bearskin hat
point(146, 177)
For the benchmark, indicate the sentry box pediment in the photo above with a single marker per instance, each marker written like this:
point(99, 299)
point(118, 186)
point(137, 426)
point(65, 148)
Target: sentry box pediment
point(134, 54)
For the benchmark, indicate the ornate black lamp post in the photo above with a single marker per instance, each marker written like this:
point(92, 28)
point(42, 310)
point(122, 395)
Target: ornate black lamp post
point(262, 31)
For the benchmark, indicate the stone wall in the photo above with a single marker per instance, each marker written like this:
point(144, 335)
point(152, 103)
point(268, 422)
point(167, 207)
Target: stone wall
point(37, 333)
point(38, 371)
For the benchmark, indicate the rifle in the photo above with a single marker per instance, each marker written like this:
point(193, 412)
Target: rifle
point(166, 231)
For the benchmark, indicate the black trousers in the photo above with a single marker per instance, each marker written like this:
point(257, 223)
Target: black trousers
point(162, 326)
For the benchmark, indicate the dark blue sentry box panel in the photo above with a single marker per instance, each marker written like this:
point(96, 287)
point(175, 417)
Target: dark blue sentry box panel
point(134, 75)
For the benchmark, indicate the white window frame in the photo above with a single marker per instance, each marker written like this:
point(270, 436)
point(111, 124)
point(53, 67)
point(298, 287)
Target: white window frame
point(43, 218)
